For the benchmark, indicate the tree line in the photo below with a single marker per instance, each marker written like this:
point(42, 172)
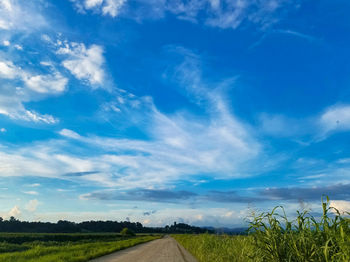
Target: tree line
point(63, 226)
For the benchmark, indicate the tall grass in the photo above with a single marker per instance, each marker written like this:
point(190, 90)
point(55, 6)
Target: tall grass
point(218, 248)
point(272, 237)
point(304, 239)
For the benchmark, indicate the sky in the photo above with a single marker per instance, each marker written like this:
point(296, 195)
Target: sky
point(195, 111)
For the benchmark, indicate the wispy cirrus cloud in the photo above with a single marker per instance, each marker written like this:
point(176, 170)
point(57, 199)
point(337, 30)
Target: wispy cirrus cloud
point(20, 16)
point(317, 127)
point(22, 85)
point(214, 13)
point(177, 145)
point(24, 79)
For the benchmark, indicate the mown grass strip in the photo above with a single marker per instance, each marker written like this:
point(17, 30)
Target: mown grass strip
point(72, 252)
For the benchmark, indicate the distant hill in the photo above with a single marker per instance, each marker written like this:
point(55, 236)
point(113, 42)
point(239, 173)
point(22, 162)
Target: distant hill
point(226, 230)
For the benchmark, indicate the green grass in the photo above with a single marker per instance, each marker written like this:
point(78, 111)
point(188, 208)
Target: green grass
point(214, 248)
point(19, 238)
point(274, 238)
point(53, 251)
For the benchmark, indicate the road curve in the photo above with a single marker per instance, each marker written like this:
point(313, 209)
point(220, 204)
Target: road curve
point(160, 250)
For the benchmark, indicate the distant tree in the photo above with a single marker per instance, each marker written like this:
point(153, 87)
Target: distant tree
point(127, 232)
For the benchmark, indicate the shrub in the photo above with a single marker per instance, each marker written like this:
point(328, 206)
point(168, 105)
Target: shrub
point(127, 232)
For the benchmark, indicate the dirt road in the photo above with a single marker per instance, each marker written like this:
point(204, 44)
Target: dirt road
point(160, 250)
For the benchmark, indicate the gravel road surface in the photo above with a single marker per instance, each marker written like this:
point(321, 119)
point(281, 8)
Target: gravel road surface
point(160, 250)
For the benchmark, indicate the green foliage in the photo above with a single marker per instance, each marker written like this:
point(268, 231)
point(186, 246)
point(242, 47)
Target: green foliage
point(8, 247)
point(274, 238)
point(66, 251)
point(19, 238)
point(304, 239)
point(127, 232)
point(218, 248)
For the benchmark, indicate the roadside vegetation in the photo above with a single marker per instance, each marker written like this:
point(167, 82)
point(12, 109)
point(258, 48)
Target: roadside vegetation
point(273, 238)
point(64, 247)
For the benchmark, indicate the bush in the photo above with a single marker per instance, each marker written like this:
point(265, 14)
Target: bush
point(127, 232)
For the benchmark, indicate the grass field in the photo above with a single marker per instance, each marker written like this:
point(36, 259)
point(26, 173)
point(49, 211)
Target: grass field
point(273, 238)
point(63, 247)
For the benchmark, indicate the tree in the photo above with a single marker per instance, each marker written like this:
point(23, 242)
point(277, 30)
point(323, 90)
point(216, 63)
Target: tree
point(127, 232)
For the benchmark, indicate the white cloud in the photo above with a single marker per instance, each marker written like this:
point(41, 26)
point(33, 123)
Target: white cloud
point(232, 14)
point(336, 118)
point(69, 133)
point(179, 145)
point(46, 63)
point(84, 63)
point(20, 16)
point(8, 70)
point(22, 81)
point(14, 212)
point(3, 130)
point(31, 192)
point(112, 7)
point(342, 205)
point(34, 87)
point(92, 3)
point(3, 24)
point(104, 7)
point(35, 117)
point(34, 185)
point(215, 13)
point(32, 205)
point(52, 84)
point(16, 111)
point(18, 47)
point(6, 4)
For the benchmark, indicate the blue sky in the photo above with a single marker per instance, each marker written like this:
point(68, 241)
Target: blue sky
point(195, 111)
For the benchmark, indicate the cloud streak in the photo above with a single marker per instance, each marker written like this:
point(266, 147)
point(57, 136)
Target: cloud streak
point(148, 195)
point(335, 192)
